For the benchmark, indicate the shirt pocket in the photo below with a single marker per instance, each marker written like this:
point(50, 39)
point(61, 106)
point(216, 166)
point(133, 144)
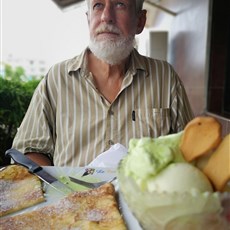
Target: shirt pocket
point(152, 122)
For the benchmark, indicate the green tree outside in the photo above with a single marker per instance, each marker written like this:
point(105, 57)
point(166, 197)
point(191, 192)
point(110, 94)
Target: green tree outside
point(16, 90)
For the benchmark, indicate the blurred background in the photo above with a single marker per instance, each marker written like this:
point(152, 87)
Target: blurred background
point(192, 35)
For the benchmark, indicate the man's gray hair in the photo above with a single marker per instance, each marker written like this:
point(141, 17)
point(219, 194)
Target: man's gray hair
point(139, 4)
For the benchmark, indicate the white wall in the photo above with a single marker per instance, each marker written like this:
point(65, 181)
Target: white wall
point(188, 45)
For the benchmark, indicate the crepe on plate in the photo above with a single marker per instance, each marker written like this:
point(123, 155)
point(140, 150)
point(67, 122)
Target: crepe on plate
point(19, 189)
point(93, 209)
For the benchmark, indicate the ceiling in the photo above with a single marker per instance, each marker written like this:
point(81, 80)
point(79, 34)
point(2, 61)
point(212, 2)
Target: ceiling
point(152, 6)
point(67, 3)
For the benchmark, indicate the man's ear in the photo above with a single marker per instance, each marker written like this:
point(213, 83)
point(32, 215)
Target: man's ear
point(141, 21)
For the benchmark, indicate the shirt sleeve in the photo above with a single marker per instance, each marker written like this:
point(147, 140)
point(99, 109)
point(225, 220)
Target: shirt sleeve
point(181, 112)
point(36, 132)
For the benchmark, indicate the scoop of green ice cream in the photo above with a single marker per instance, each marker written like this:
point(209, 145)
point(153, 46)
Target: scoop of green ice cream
point(173, 142)
point(148, 156)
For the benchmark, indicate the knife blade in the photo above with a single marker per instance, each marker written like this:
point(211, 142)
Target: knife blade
point(36, 169)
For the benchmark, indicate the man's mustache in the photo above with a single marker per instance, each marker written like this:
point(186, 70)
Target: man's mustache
point(107, 28)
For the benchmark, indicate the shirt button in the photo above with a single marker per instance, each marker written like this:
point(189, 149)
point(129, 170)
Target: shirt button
point(111, 112)
point(111, 142)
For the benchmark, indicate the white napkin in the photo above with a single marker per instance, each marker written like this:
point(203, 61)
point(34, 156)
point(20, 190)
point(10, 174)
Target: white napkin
point(111, 157)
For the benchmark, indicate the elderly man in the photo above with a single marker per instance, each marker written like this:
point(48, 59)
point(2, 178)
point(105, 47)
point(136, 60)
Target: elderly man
point(106, 95)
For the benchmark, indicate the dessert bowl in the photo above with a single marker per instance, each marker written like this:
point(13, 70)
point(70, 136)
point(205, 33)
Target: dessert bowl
point(172, 210)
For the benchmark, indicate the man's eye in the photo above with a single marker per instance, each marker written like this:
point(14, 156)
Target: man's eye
point(97, 6)
point(120, 4)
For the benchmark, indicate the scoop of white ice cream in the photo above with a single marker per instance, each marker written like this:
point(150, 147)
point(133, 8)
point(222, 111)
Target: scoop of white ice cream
point(180, 177)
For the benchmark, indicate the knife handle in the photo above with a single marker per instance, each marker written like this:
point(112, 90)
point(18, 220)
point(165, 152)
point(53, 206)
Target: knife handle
point(21, 159)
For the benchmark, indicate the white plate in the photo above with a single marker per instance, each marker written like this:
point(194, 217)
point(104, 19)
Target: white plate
point(88, 174)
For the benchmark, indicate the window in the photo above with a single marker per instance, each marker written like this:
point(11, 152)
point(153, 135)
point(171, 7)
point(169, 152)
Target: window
point(219, 66)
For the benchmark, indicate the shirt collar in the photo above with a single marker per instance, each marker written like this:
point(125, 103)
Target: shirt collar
point(137, 62)
point(78, 62)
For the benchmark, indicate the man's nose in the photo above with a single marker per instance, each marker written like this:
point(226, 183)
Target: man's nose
point(108, 14)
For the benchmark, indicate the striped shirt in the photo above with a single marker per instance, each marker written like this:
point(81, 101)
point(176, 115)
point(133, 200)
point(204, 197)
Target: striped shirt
point(70, 120)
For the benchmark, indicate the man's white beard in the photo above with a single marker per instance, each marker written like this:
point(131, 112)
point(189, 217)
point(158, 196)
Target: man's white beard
point(111, 51)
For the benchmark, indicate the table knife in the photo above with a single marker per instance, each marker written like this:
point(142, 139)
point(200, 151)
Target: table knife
point(36, 169)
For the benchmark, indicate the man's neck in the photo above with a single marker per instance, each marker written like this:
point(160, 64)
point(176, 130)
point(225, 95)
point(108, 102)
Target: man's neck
point(107, 78)
point(105, 70)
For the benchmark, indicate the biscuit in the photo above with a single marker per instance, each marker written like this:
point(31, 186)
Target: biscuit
point(217, 168)
point(201, 135)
